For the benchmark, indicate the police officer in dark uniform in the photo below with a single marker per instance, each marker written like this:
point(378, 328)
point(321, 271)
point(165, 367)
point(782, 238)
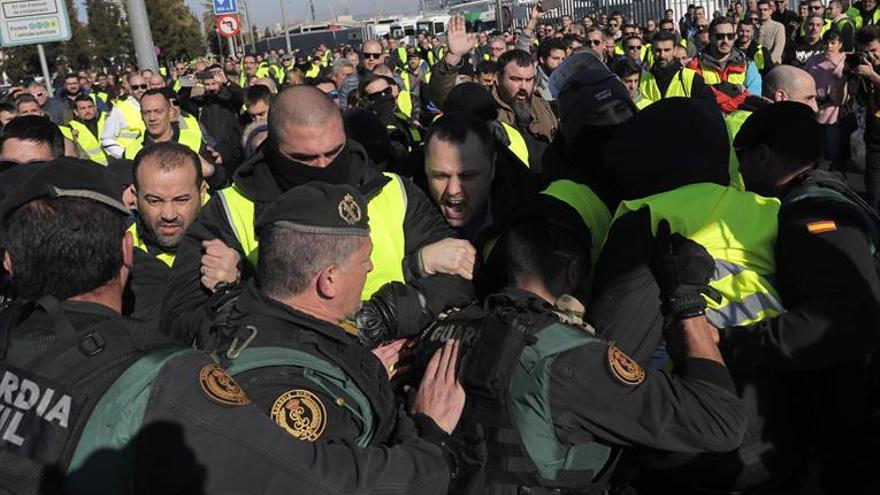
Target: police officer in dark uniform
point(550, 404)
point(86, 391)
point(284, 341)
point(414, 247)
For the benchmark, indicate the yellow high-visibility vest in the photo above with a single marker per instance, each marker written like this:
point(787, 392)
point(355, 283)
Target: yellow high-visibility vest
point(186, 137)
point(589, 207)
point(681, 85)
point(88, 142)
point(134, 127)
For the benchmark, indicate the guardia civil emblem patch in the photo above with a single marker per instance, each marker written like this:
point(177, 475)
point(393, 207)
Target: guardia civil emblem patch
point(349, 210)
point(220, 387)
point(301, 413)
point(624, 368)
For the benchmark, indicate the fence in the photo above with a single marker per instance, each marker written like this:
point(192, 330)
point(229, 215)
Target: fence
point(638, 11)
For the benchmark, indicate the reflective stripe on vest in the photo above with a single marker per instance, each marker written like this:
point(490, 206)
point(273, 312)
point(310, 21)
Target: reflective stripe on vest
point(642, 102)
point(713, 77)
point(167, 258)
point(388, 209)
point(322, 373)
point(134, 126)
point(591, 209)
point(88, 142)
point(186, 137)
point(190, 123)
point(680, 85)
point(517, 144)
point(738, 229)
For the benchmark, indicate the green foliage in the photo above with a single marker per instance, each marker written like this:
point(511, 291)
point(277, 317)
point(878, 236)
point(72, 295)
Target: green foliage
point(175, 30)
point(110, 33)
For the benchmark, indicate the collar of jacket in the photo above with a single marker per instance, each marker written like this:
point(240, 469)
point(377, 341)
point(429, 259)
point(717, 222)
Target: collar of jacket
point(736, 62)
point(255, 180)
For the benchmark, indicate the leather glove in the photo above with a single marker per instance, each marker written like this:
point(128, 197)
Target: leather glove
point(683, 269)
point(395, 311)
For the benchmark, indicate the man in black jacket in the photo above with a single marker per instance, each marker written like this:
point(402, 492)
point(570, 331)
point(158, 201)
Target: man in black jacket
point(218, 109)
point(412, 242)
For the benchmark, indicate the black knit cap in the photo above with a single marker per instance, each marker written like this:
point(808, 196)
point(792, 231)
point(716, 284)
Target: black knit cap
point(66, 177)
point(787, 127)
point(319, 208)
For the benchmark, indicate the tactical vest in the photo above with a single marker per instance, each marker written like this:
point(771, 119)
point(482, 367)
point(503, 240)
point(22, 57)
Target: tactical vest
point(517, 144)
point(89, 143)
point(507, 378)
point(190, 139)
point(387, 213)
point(134, 126)
point(738, 229)
point(73, 398)
point(681, 85)
point(592, 210)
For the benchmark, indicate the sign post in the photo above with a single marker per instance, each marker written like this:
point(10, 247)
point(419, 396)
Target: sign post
point(34, 22)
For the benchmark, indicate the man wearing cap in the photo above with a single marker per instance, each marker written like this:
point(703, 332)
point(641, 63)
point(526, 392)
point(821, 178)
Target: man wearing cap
point(543, 387)
point(413, 246)
point(284, 340)
point(827, 277)
point(124, 124)
point(83, 387)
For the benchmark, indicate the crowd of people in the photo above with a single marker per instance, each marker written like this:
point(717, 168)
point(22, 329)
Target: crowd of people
point(587, 256)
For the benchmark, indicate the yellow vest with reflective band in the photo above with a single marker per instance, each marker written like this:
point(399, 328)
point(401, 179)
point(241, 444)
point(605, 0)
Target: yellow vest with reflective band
point(759, 58)
point(517, 144)
point(738, 229)
point(186, 137)
point(589, 206)
point(88, 142)
point(711, 76)
point(387, 211)
point(680, 85)
point(313, 71)
point(177, 86)
point(734, 121)
point(404, 104)
point(402, 57)
point(67, 132)
point(856, 17)
point(167, 258)
point(642, 102)
point(189, 122)
point(134, 127)
point(825, 27)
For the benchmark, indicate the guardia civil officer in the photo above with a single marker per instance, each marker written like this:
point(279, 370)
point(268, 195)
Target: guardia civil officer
point(88, 393)
point(419, 268)
point(551, 403)
point(283, 340)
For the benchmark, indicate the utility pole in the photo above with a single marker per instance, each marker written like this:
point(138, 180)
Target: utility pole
point(284, 24)
point(312, 9)
point(247, 12)
point(499, 16)
point(141, 35)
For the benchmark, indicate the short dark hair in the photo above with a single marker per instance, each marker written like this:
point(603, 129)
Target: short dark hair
point(82, 98)
point(71, 75)
point(170, 155)
point(257, 93)
point(625, 67)
point(748, 22)
point(487, 66)
point(832, 35)
point(157, 92)
point(63, 247)
point(289, 259)
point(37, 129)
point(663, 36)
point(868, 34)
point(521, 58)
point(719, 21)
point(548, 45)
point(455, 127)
point(763, 2)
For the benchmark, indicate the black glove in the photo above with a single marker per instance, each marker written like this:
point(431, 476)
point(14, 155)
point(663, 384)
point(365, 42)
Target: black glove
point(394, 311)
point(682, 269)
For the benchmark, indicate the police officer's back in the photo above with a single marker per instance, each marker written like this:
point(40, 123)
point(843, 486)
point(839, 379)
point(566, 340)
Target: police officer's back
point(550, 404)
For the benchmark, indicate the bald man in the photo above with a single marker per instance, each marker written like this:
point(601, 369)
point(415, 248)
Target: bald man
point(419, 267)
point(787, 83)
point(372, 55)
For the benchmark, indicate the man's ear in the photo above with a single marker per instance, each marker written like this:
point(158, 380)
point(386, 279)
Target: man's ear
point(127, 250)
point(7, 262)
point(326, 282)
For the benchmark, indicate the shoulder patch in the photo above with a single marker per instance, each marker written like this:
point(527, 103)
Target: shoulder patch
point(220, 387)
point(624, 368)
point(821, 226)
point(301, 413)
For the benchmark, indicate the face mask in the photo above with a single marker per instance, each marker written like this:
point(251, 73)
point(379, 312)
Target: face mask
point(289, 173)
point(383, 106)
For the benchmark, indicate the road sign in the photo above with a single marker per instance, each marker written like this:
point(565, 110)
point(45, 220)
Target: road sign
point(225, 7)
point(228, 25)
point(28, 22)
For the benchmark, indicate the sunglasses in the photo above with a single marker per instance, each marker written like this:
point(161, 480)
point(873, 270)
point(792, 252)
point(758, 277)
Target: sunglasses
point(634, 47)
point(139, 86)
point(723, 36)
point(815, 8)
point(39, 95)
point(373, 56)
point(379, 94)
point(595, 42)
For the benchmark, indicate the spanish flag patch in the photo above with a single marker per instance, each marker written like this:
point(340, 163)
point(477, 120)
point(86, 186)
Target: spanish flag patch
point(821, 226)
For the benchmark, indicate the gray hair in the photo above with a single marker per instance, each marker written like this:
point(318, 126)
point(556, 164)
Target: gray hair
point(339, 64)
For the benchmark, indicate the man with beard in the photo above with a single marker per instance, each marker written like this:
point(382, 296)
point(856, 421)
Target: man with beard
point(124, 124)
point(551, 53)
point(218, 107)
point(170, 191)
point(746, 43)
point(667, 77)
point(419, 267)
point(730, 74)
point(87, 126)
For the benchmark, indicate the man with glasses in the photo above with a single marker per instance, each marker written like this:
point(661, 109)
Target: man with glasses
point(614, 28)
point(372, 55)
point(595, 41)
point(54, 109)
point(773, 34)
point(124, 124)
point(816, 7)
point(634, 49)
point(727, 70)
point(699, 19)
